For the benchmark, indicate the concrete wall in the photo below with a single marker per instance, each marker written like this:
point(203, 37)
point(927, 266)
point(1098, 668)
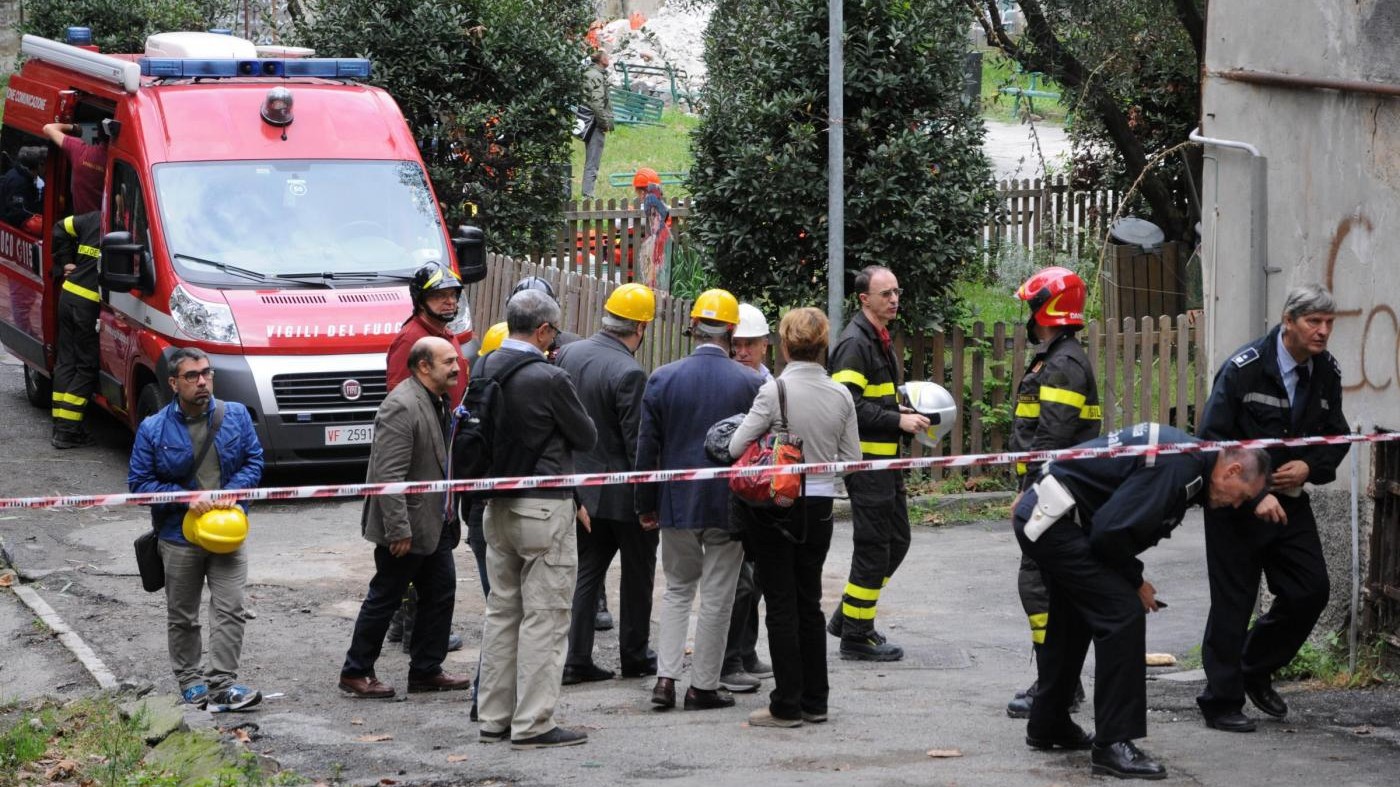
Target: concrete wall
point(1333, 207)
point(9, 34)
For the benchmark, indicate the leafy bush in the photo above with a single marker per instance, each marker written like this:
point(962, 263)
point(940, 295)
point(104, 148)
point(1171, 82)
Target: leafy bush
point(122, 25)
point(917, 183)
point(486, 86)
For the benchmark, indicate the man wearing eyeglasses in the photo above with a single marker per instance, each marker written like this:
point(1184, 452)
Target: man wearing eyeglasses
point(176, 450)
point(865, 362)
point(531, 546)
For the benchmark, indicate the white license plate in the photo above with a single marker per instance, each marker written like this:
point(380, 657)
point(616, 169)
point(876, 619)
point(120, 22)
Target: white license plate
point(350, 435)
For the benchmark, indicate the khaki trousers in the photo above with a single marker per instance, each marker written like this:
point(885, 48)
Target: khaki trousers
point(187, 569)
point(532, 561)
point(707, 560)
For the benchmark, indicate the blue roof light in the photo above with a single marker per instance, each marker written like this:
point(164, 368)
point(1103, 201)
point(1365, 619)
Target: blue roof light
point(78, 36)
point(324, 67)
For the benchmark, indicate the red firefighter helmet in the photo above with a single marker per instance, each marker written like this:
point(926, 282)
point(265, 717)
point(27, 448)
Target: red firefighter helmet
point(1056, 296)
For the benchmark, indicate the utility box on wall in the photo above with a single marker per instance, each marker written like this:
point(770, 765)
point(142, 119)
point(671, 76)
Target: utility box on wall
point(1148, 282)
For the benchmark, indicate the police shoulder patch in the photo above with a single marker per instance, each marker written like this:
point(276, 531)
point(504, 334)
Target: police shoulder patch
point(1336, 367)
point(1193, 487)
point(1245, 358)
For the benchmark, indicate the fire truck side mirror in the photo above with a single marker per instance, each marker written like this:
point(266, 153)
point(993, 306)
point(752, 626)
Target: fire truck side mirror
point(125, 265)
point(470, 245)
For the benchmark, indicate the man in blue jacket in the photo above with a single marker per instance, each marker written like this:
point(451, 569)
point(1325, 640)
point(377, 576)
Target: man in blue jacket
point(698, 552)
point(169, 456)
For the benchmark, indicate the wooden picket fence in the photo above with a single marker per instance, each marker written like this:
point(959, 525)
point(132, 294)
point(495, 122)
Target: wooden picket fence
point(1148, 370)
point(600, 237)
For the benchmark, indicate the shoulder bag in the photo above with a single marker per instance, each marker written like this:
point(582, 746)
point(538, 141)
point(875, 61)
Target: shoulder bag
point(775, 448)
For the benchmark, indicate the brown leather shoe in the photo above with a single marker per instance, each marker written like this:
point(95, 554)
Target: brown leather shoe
point(366, 687)
point(664, 694)
point(443, 681)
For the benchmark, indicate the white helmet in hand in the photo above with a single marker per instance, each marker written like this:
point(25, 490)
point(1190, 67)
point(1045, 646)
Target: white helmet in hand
point(932, 401)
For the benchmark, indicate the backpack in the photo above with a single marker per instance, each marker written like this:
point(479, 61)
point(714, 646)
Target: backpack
point(474, 442)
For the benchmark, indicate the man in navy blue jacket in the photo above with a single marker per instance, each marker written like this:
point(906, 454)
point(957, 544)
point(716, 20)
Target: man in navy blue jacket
point(166, 447)
point(683, 399)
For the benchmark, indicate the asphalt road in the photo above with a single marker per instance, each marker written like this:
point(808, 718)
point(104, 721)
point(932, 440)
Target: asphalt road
point(952, 606)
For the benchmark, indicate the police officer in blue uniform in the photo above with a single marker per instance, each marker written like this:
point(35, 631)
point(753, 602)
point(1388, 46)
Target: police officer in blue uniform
point(1084, 522)
point(1285, 384)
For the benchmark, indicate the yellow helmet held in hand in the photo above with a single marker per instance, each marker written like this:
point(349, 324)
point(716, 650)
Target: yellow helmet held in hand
point(492, 340)
point(718, 305)
point(632, 301)
point(219, 530)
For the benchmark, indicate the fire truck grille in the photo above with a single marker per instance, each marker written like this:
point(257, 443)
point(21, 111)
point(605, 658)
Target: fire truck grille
point(329, 391)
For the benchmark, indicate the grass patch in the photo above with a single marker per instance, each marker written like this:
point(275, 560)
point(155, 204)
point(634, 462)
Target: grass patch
point(998, 71)
point(1326, 663)
point(931, 516)
point(664, 148)
point(90, 742)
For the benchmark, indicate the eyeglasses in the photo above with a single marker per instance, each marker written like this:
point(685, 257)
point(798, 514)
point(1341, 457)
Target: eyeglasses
point(193, 375)
point(892, 292)
point(551, 326)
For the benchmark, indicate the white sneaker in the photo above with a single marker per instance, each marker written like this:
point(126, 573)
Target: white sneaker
point(739, 682)
point(763, 718)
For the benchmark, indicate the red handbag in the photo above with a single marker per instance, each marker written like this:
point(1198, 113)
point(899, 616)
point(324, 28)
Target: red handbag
point(775, 448)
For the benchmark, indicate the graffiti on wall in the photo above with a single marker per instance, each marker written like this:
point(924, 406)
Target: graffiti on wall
point(1363, 367)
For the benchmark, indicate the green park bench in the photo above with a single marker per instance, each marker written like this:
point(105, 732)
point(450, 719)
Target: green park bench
point(1029, 93)
point(623, 179)
point(675, 76)
point(633, 109)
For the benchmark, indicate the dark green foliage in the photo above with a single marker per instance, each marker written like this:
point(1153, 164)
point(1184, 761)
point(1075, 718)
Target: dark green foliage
point(917, 183)
point(122, 25)
point(486, 86)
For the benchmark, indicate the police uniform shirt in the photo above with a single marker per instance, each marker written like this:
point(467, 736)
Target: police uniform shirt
point(1288, 369)
point(1127, 504)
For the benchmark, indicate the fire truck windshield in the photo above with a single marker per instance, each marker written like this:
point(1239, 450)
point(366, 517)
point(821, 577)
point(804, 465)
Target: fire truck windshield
point(367, 219)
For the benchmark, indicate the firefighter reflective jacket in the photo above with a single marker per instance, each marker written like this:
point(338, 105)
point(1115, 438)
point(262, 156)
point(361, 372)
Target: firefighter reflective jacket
point(1057, 403)
point(76, 240)
point(871, 373)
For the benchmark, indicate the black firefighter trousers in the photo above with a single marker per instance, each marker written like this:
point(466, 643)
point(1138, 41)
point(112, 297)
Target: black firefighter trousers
point(1238, 547)
point(75, 363)
point(1089, 602)
point(880, 521)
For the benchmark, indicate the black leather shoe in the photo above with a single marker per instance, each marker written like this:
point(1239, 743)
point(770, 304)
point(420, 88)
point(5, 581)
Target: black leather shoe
point(869, 649)
point(1020, 705)
point(1264, 697)
point(707, 699)
point(663, 695)
point(1126, 761)
point(585, 673)
point(1070, 736)
point(550, 740)
point(639, 670)
point(1230, 722)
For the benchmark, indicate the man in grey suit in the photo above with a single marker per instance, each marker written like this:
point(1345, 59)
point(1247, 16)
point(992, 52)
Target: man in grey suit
point(610, 383)
point(531, 551)
point(413, 534)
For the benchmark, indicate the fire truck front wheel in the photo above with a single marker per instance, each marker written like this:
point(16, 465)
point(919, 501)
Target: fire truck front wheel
point(38, 389)
point(148, 402)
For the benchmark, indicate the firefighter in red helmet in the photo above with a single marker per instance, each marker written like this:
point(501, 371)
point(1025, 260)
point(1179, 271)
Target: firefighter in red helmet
point(1057, 406)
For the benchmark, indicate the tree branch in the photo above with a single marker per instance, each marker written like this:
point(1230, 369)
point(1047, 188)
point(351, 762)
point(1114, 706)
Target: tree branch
point(1195, 24)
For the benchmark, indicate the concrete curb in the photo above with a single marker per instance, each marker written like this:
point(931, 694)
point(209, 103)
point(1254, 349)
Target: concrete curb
point(70, 639)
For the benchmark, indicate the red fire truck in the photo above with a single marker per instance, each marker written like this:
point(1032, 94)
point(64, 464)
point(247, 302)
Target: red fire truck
point(262, 206)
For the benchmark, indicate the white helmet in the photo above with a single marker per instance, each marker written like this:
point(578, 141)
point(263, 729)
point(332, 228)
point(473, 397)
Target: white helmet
point(933, 401)
point(752, 323)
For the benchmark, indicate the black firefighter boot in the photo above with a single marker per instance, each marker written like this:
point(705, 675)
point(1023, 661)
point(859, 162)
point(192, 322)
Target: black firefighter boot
point(1020, 706)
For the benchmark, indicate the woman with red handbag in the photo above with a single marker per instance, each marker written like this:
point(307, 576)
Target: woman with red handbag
point(790, 544)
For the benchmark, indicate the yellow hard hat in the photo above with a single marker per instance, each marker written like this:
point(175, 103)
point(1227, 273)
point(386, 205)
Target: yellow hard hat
point(492, 340)
point(718, 305)
point(632, 301)
point(219, 530)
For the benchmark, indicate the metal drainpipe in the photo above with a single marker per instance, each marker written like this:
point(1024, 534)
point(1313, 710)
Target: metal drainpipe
point(1259, 269)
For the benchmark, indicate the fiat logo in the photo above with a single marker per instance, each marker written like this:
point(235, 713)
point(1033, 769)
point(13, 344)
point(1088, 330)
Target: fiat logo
point(351, 390)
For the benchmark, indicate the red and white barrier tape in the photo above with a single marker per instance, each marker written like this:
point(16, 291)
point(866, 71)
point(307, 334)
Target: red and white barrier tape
point(655, 476)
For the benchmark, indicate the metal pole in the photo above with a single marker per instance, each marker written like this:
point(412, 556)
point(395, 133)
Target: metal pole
point(1355, 556)
point(835, 169)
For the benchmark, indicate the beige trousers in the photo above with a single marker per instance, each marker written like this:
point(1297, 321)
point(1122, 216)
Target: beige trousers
point(532, 562)
point(187, 569)
point(707, 561)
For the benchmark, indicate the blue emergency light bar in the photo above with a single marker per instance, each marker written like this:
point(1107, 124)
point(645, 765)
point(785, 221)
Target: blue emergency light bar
point(324, 67)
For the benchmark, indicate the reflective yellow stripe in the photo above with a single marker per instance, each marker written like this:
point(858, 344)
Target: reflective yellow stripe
point(859, 613)
point(879, 449)
point(1062, 396)
point(864, 594)
point(67, 415)
point(1021, 468)
point(1038, 620)
point(67, 398)
point(68, 226)
point(884, 581)
point(1027, 410)
point(879, 391)
point(850, 377)
point(1091, 412)
point(81, 291)
point(89, 251)
point(1038, 636)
